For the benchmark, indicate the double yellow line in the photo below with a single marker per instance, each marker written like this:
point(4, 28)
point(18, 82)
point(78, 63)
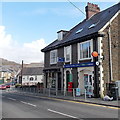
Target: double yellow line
point(71, 101)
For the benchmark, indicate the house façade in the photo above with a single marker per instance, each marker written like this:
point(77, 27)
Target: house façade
point(68, 60)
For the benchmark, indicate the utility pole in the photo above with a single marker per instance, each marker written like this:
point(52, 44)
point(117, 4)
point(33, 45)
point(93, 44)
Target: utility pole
point(96, 77)
point(21, 72)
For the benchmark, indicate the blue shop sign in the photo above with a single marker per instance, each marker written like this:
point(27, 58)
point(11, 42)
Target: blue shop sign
point(61, 59)
point(88, 64)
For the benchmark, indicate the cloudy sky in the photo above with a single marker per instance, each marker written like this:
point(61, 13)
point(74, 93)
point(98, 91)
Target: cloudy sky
point(27, 27)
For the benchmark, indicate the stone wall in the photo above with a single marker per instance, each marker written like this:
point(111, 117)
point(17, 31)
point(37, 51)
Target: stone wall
point(114, 28)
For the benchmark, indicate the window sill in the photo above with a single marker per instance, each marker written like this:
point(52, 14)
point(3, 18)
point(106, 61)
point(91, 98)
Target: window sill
point(53, 63)
point(85, 59)
point(67, 61)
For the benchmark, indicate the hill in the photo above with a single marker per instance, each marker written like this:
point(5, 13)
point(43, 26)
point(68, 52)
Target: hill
point(11, 65)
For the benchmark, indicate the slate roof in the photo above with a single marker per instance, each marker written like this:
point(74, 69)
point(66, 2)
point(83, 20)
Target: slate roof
point(5, 69)
point(100, 19)
point(32, 71)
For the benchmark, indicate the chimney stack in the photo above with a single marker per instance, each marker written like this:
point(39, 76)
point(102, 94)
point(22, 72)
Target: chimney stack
point(91, 9)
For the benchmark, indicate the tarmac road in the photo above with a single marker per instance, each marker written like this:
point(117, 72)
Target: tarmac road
point(15, 105)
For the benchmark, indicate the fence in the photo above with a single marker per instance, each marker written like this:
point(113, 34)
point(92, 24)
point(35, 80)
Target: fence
point(71, 92)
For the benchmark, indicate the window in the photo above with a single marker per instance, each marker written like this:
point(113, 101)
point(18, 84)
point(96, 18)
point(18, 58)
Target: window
point(80, 30)
point(85, 50)
point(60, 35)
point(53, 57)
point(31, 78)
point(93, 25)
point(35, 77)
point(67, 52)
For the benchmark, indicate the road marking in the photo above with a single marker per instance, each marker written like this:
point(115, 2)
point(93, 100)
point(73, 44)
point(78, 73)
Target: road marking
point(61, 113)
point(12, 99)
point(85, 103)
point(58, 99)
point(28, 103)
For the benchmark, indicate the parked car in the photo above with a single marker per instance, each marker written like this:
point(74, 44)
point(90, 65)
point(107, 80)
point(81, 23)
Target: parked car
point(7, 85)
point(2, 87)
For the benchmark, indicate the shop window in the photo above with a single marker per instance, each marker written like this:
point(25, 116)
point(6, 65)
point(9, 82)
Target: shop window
point(85, 50)
point(53, 57)
point(51, 82)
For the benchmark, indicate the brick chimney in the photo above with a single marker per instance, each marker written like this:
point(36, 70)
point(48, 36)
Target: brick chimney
point(91, 9)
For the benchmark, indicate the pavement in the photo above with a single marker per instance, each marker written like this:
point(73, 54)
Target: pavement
point(99, 101)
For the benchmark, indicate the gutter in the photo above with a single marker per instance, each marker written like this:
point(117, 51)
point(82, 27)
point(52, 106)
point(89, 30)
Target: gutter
point(81, 39)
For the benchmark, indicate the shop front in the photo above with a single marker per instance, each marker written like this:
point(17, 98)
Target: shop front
point(52, 79)
point(84, 80)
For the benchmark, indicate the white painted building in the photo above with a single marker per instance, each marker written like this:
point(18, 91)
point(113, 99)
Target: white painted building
point(31, 75)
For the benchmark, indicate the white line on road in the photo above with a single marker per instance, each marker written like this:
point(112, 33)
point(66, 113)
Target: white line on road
point(61, 113)
point(28, 103)
point(12, 99)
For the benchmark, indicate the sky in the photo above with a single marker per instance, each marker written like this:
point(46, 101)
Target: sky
point(27, 27)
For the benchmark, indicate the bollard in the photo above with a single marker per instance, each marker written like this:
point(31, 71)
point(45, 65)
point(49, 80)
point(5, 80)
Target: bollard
point(49, 92)
point(85, 94)
point(43, 91)
point(34, 89)
point(56, 92)
point(74, 93)
point(64, 92)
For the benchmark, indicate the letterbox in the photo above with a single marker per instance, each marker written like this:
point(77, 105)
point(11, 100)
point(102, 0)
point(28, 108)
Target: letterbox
point(70, 85)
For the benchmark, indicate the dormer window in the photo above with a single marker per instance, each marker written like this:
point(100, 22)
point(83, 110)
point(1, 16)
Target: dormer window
point(80, 30)
point(61, 34)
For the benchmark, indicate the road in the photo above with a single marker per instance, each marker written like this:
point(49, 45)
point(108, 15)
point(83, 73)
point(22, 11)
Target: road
point(16, 105)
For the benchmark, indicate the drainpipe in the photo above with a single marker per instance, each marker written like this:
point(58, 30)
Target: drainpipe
point(110, 54)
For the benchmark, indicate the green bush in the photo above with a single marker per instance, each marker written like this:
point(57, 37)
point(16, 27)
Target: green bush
point(18, 85)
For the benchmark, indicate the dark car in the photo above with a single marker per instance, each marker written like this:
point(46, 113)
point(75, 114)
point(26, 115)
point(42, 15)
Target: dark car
point(2, 87)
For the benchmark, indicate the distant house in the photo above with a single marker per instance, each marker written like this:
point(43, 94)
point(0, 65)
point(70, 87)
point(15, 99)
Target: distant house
point(30, 76)
point(68, 60)
point(6, 75)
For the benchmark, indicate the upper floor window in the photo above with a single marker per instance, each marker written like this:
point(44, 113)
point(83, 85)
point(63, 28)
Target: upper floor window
point(67, 53)
point(53, 57)
point(85, 50)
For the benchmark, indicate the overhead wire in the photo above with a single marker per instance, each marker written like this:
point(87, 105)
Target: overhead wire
point(76, 7)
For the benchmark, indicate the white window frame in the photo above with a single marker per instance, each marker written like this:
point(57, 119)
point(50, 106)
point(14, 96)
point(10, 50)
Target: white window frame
point(51, 58)
point(79, 58)
point(60, 35)
point(65, 54)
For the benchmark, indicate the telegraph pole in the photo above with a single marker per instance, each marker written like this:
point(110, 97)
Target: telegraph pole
point(21, 72)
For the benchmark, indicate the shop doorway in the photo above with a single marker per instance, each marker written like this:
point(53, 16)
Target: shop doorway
point(69, 81)
point(67, 78)
point(88, 84)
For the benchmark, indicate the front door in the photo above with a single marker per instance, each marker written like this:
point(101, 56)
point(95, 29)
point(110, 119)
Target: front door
point(88, 84)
